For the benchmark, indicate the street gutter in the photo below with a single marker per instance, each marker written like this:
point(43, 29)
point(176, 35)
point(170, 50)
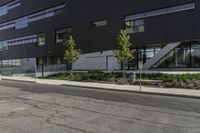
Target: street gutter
point(174, 92)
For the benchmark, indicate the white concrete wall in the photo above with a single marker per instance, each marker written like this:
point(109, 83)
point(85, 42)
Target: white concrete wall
point(97, 61)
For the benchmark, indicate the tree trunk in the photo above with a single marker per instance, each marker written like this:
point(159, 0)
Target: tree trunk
point(42, 70)
point(71, 71)
point(71, 74)
point(124, 70)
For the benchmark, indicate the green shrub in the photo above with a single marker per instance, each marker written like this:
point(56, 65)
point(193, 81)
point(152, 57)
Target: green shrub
point(171, 77)
point(101, 76)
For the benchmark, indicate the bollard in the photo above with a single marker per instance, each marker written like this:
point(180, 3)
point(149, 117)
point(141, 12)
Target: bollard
point(132, 78)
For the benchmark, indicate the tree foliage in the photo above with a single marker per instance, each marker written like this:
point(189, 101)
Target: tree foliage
point(71, 54)
point(124, 53)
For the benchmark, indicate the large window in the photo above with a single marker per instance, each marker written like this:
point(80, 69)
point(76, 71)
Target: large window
point(184, 56)
point(134, 26)
point(195, 55)
point(62, 34)
point(100, 23)
point(142, 55)
point(41, 39)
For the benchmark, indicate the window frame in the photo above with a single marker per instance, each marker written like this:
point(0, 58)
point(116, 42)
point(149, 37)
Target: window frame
point(39, 36)
point(67, 31)
point(97, 23)
point(133, 27)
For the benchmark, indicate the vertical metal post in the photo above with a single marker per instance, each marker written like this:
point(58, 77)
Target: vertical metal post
point(42, 70)
point(140, 80)
point(140, 68)
point(35, 72)
point(11, 67)
point(1, 68)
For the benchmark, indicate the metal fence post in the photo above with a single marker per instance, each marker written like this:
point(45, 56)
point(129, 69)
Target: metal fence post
point(35, 72)
point(140, 69)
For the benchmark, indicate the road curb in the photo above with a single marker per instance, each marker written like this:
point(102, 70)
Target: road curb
point(18, 80)
point(138, 92)
point(115, 90)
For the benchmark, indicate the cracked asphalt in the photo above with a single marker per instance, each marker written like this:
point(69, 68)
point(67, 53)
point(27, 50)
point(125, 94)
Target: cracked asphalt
point(37, 108)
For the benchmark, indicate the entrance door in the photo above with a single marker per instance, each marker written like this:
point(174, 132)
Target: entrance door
point(110, 63)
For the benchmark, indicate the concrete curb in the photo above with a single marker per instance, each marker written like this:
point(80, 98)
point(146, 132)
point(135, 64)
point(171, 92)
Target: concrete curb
point(106, 89)
point(19, 80)
point(139, 92)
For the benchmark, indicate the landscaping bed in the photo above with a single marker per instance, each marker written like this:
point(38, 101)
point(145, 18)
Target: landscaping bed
point(188, 81)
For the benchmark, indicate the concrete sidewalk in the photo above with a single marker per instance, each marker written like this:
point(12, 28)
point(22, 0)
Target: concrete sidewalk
point(130, 88)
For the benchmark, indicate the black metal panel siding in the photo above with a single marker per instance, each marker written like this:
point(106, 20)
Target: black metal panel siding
point(197, 20)
point(80, 13)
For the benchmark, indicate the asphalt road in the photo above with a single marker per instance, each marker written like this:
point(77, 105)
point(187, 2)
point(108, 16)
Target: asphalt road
point(37, 108)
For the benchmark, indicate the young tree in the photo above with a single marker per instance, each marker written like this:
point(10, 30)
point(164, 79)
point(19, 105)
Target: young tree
point(124, 53)
point(71, 54)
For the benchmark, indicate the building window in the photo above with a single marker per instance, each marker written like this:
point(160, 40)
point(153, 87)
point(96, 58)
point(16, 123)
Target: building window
point(62, 34)
point(41, 39)
point(6, 63)
point(16, 63)
point(134, 26)
point(24, 21)
point(21, 23)
point(168, 10)
point(142, 55)
point(17, 41)
point(99, 23)
point(187, 55)
point(41, 61)
point(55, 60)
point(5, 8)
point(11, 63)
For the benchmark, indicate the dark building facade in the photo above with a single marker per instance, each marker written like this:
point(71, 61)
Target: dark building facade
point(33, 32)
